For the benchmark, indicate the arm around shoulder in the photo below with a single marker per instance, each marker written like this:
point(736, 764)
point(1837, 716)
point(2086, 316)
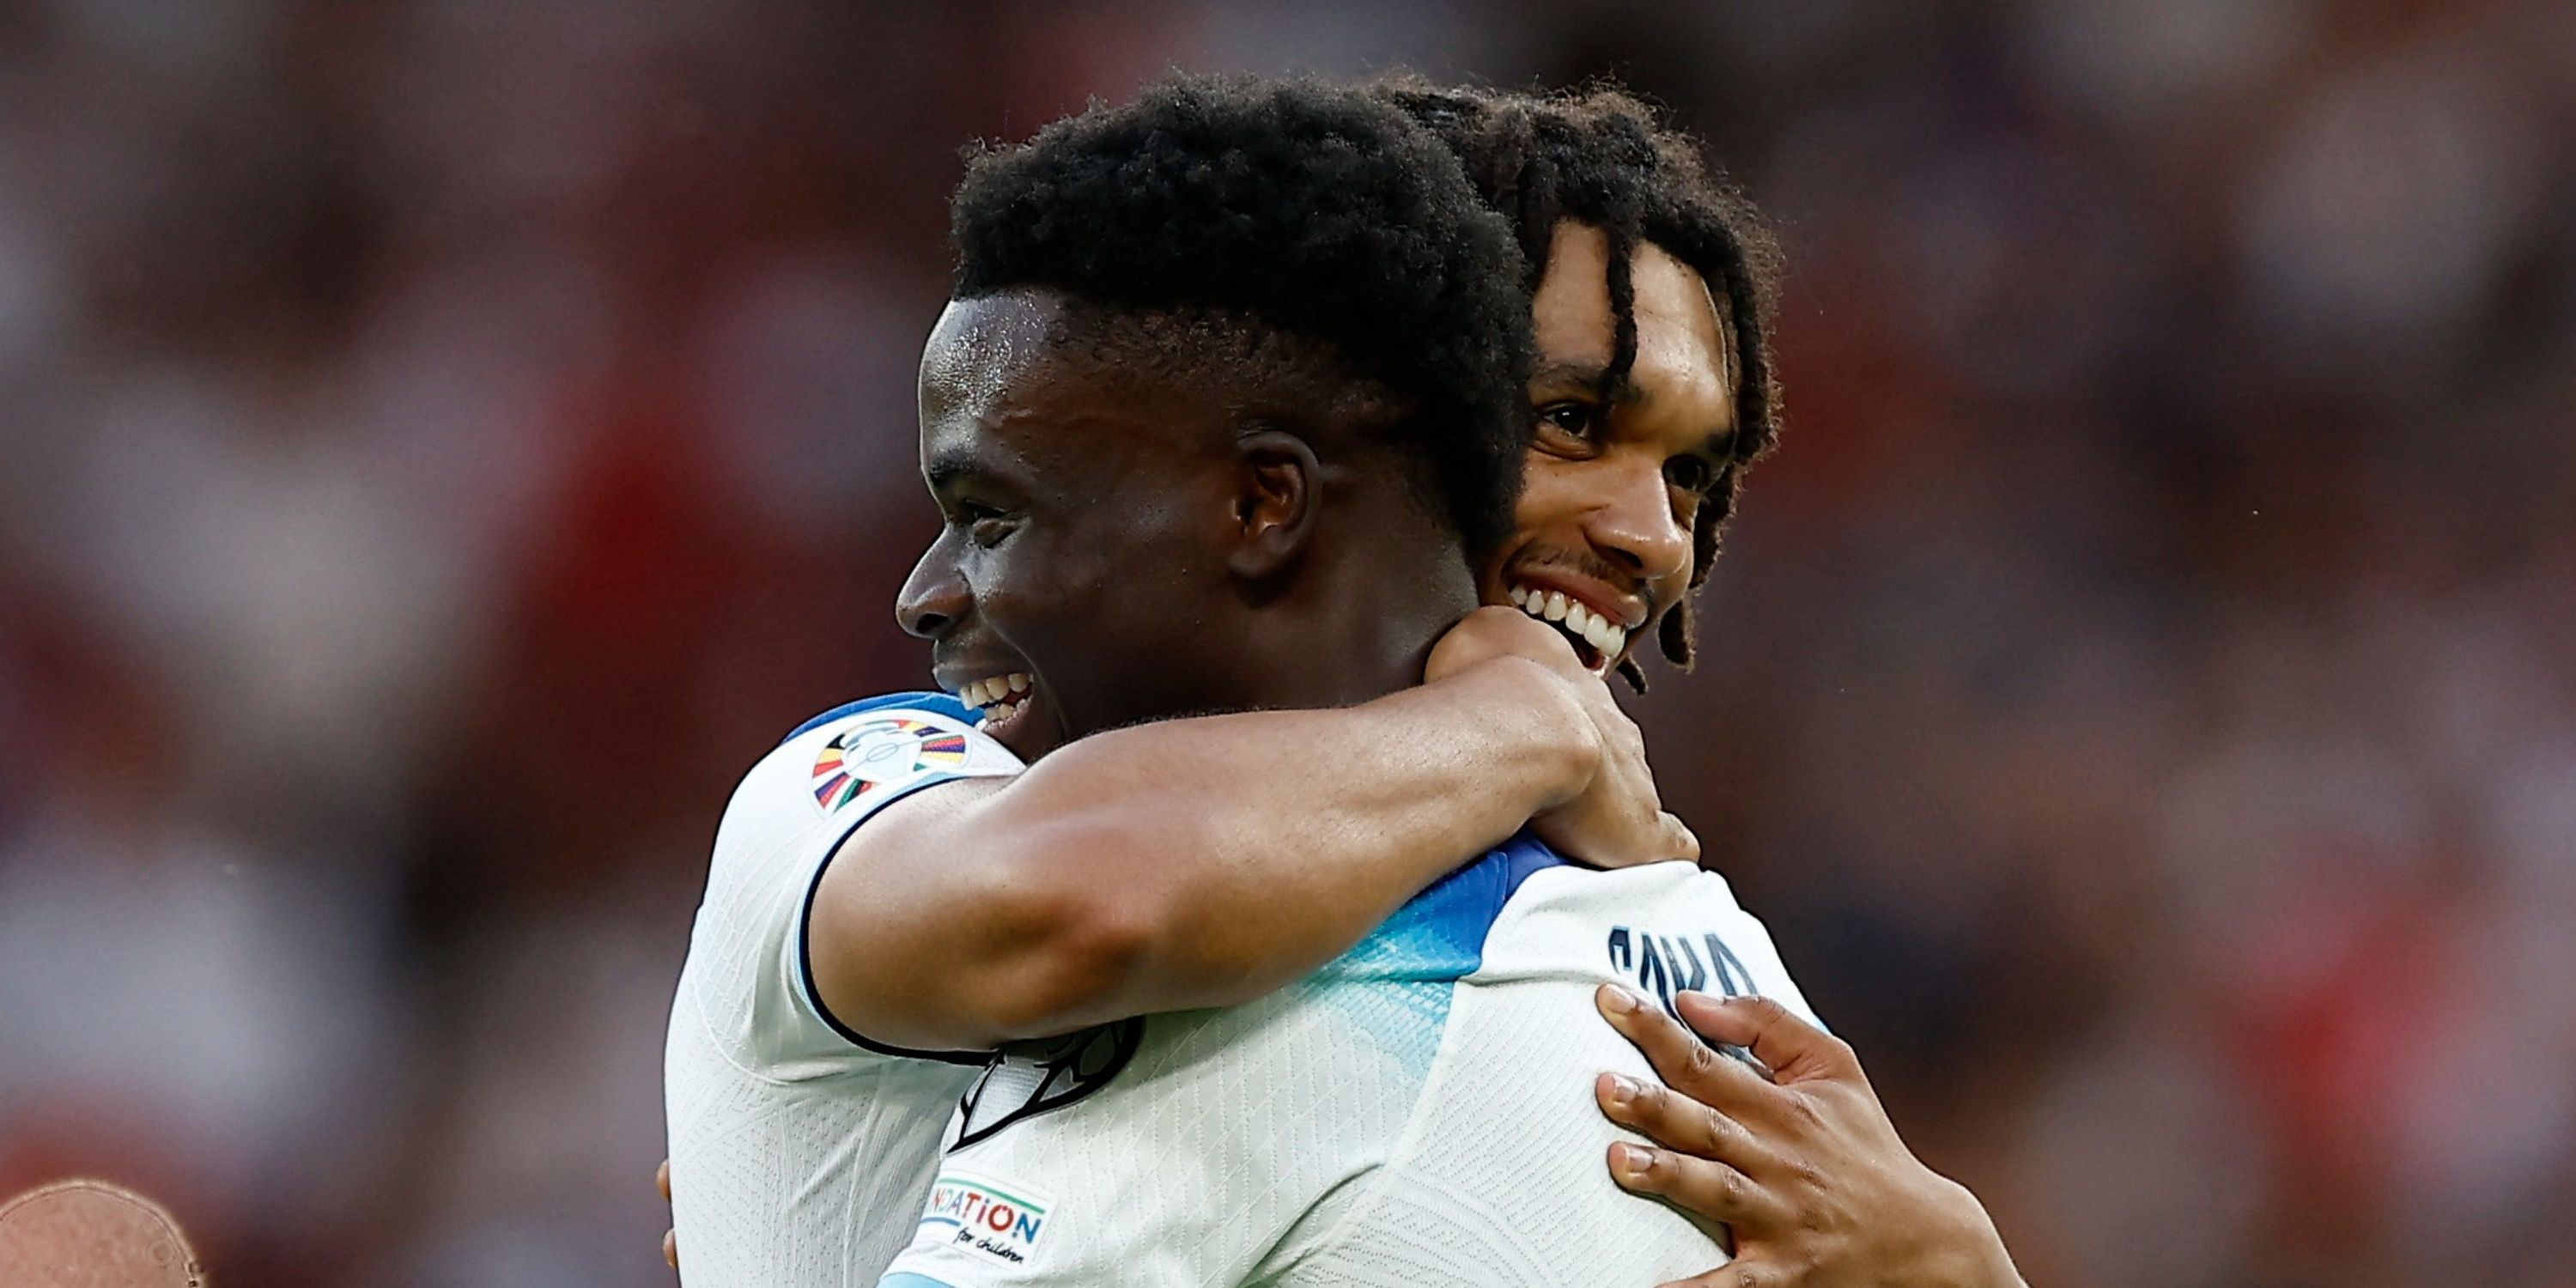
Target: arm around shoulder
point(1190, 863)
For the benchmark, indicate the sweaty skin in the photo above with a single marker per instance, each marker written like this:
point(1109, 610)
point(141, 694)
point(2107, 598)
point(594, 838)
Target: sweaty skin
point(1136, 870)
point(1612, 488)
point(1616, 476)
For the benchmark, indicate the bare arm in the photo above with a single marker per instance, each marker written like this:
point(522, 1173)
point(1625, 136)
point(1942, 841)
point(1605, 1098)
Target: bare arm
point(1191, 863)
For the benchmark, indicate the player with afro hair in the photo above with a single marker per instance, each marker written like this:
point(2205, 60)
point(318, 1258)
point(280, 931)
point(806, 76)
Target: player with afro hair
point(1301, 209)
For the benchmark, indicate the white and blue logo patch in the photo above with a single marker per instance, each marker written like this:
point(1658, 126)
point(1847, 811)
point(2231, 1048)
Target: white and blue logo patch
point(1002, 1221)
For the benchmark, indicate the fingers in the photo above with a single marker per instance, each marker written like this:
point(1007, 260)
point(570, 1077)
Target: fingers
point(1678, 1122)
point(1739, 1273)
point(1657, 840)
point(1702, 1187)
point(1796, 1050)
point(670, 1238)
point(1679, 841)
point(1685, 1063)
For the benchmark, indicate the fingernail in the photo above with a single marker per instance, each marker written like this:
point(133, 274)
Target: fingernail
point(1624, 1090)
point(1620, 1000)
point(1629, 1161)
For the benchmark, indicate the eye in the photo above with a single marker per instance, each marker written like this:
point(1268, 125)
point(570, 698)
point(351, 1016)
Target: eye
point(1692, 474)
point(984, 525)
point(1578, 422)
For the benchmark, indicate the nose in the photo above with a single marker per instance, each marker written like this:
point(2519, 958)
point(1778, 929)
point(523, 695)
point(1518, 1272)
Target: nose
point(934, 598)
point(1634, 524)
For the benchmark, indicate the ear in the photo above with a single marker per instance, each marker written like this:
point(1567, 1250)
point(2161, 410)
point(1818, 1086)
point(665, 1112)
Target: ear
point(1275, 503)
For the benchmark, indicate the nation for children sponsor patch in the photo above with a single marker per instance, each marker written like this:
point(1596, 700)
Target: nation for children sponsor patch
point(999, 1220)
point(873, 755)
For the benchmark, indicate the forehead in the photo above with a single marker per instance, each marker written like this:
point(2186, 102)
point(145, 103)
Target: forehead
point(1002, 390)
point(978, 353)
point(1684, 355)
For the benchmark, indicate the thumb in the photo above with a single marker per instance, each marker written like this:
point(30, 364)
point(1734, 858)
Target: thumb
point(1795, 1050)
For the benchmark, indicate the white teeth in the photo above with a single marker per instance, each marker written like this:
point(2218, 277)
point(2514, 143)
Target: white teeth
point(996, 692)
point(1605, 637)
point(1577, 618)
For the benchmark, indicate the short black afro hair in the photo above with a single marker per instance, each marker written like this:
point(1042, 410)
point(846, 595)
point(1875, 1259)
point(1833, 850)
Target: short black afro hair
point(1321, 212)
point(1601, 156)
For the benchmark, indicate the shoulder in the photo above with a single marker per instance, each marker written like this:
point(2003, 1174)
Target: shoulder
point(1661, 928)
point(858, 757)
point(916, 702)
point(1440, 933)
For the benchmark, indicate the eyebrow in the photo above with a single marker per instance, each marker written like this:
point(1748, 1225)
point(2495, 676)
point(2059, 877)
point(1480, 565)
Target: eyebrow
point(953, 465)
point(1587, 374)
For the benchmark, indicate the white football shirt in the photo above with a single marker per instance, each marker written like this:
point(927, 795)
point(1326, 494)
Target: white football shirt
point(801, 1152)
point(1418, 1113)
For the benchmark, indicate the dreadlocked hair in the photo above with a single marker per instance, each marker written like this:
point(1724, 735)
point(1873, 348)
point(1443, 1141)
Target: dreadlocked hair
point(1600, 156)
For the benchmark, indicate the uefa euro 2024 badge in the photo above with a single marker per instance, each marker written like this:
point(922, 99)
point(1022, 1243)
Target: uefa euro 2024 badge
point(874, 755)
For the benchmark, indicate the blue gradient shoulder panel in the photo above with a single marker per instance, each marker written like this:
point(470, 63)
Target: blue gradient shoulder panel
point(937, 703)
point(1440, 934)
point(1396, 984)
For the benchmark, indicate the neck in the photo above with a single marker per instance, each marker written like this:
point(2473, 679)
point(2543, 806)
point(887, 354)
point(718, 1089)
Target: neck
point(1358, 624)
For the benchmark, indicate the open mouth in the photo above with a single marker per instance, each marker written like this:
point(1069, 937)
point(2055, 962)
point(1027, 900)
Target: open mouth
point(1597, 640)
point(1001, 699)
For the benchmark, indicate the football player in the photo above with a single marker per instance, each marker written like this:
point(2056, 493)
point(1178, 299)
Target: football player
point(1638, 459)
point(1650, 406)
point(1227, 402)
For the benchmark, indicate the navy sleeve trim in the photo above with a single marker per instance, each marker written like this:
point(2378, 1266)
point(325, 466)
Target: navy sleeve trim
point(805, 928)
point(937, 703)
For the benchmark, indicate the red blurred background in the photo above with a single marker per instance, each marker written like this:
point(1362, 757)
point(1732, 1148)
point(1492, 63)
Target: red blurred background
point(441, 444)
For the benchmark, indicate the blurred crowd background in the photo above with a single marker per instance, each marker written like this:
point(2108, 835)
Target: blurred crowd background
point(443, 444)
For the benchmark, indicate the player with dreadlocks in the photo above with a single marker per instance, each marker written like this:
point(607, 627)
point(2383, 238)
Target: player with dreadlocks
point(1598, 193)
point(1251, 1145)
point(1654, 282)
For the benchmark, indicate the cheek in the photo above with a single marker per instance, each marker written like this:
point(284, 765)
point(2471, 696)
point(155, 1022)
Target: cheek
point(1551, 494)
point(1075, 599)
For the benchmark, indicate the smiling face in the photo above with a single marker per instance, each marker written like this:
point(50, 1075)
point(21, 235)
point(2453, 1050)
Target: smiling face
point(1604, 542)
point(1080, 513)
point(1147, 519)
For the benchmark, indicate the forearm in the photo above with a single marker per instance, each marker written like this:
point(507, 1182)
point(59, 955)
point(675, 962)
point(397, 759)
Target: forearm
point(1250, 849)
point(1177, 865)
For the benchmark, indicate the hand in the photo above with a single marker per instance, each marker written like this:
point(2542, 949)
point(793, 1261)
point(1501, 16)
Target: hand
point(1619, 819)
point(1803, 1167)
point(670, 1238)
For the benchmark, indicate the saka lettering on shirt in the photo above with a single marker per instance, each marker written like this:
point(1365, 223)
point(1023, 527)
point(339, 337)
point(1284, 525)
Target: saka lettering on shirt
point(1665, 965)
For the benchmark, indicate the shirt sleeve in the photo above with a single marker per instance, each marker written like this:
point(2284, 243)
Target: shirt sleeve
point(748, 961)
